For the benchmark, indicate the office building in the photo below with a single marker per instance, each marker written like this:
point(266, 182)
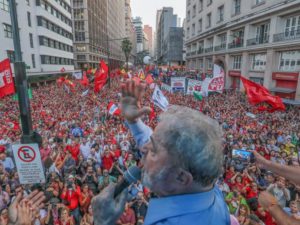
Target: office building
point(259, 39)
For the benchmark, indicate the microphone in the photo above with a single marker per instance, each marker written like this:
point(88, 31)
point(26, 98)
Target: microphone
point(132, 175)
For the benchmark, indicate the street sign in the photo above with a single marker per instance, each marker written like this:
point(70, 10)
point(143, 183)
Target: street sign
point(29, 163)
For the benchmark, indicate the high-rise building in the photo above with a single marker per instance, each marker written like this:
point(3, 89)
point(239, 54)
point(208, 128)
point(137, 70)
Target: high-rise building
point(168, 37)
point(138, 24)
point(97, 23)
point(257, 39)
point(130, 29)
point(157, 45)
point(45, 35)
point(149, 32)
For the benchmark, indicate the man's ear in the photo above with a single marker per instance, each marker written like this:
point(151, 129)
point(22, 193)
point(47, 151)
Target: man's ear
point(184, 177)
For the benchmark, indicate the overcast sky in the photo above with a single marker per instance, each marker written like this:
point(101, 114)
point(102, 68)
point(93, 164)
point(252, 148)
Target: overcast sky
point(147, 9)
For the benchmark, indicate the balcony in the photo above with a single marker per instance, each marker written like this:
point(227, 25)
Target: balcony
point(200, 51)
point(287, 36)
point(210, 49)
point(236, 44)
point(258, 41)
point(220, 47)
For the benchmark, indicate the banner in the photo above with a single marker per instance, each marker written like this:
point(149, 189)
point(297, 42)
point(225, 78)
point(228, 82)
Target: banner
point(7, 86)
point(178, 84)
point(77, 75)
point(193, 85)
point(215, 84)
point(166, 87)
point(159, 99)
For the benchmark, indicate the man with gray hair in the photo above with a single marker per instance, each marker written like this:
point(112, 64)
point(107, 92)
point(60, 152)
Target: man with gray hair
point(182, 160)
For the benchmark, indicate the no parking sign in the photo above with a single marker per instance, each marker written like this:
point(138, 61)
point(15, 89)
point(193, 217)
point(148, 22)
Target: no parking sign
point(29, 163)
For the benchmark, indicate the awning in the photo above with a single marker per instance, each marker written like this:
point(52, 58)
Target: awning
point(291, 102)
point(283, 90)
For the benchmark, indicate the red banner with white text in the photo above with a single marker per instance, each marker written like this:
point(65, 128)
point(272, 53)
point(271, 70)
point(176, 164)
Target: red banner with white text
point(7, 86)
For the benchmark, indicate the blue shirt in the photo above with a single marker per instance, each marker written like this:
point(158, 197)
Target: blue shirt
point(206, 208)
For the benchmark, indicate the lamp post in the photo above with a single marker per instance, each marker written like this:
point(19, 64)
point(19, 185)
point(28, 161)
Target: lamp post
point(108, 54)
point(28, 135)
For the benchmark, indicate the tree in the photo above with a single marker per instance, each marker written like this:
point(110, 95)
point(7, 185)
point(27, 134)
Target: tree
point(126, 48)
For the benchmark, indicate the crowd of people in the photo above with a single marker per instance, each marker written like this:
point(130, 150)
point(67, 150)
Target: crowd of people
point(84, 149)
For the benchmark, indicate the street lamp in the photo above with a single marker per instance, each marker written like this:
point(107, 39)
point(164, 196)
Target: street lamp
point(21, 81)
point(108, 54)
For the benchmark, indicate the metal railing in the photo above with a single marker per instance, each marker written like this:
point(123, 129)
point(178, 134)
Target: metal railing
point(258, 41)
point(287, 36)
point(210, 49)
point(200, 51)
point(236, 45)
point(220, 47)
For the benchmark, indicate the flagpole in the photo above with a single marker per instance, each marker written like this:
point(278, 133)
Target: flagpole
point(21, 80)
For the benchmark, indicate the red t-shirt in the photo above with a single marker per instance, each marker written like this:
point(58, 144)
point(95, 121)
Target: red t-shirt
point(250, 193)
point(107, 162)
point(72, 197)
point(74, 150)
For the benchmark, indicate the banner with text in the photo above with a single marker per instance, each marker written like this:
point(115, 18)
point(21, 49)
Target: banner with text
point(193, 86)
point(178, 84)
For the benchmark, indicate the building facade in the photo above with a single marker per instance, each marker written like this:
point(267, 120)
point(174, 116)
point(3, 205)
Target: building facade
point(259, 39)
point(149, 32)
point(96, 24)
point(138, 25)
point(167, 21)
point(130, 30)
point(45, 35)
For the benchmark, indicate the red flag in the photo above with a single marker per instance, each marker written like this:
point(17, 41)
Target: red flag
point(7, 86)
point(60, 80)
point(70, 83)
point(257, 94)
point(149, 79)
point(84, 82)
point(101, 77)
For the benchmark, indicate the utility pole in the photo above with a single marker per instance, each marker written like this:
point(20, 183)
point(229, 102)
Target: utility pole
point(108, 59)
point(21, 80)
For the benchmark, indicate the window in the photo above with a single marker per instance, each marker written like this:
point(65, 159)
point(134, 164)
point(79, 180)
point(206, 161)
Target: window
point(236, 7)
point(290, 61)
point(28, 2)
point(193, 29)
point(29, 19)
point(292, 26)
point(258, 62)
point(208, 20)
point(262, 33)
point(209, 2)
point(188, 33)
point(188, 16)
point(209, 63)
point(33, 60)
point(257, 2)
point(194, 11)
point(200, 5)
point(200, 26)
point(7, 30)
point(257, 80)
point(31, 40)
point(221, 13)
point(4, 5)
point(223, 40)
point(11, 55)
point(237, 62)
point(78, 14)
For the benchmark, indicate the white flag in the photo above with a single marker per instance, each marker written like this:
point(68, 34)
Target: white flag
point(67, 89)
point(159, 99)
point(77, 75)
point(85, 93)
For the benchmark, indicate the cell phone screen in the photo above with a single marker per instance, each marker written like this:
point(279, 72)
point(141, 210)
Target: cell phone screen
point(241, 154)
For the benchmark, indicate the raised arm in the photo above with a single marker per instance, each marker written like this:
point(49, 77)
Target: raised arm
point(132, 110)
point(289, 172)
